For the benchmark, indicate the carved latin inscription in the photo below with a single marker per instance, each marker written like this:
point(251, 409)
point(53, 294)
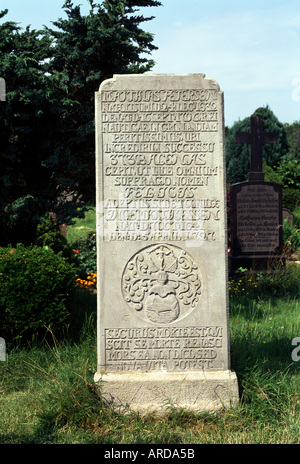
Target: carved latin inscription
point(157, 348)
point(160, 147)
point(258, 218)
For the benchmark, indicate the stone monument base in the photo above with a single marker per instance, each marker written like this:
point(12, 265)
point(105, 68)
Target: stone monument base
point(149, 393)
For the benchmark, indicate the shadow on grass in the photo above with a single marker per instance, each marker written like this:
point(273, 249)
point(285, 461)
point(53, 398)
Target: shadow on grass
point(248, 353)
point(83, 318)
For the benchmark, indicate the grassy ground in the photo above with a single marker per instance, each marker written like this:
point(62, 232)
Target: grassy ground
point(47, 394)
point(82, 226)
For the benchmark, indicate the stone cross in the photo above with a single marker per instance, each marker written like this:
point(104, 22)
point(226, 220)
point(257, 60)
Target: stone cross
point(256, 138)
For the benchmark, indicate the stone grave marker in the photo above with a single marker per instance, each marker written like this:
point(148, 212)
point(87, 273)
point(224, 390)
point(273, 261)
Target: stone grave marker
point(287, 214)
point(256, 210)
point(163, 331)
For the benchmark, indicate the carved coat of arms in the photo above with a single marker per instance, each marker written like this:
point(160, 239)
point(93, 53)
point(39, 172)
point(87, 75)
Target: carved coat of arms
point(162, 283)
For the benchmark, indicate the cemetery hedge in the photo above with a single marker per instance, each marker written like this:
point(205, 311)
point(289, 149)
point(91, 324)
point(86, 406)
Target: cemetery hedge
point(37, 289)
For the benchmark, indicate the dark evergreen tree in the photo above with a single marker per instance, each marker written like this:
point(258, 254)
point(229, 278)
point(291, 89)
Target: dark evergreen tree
point(88, 50)
point(47, 122)
point(25, 121)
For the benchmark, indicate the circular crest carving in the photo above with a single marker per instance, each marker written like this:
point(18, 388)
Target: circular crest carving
point(162, 283)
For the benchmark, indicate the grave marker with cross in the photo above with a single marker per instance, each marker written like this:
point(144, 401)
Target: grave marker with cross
point(256, 138)
point(256, 210)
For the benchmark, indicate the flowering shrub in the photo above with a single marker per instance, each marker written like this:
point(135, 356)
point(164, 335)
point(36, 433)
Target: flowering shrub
point(243, 285)
point(36, 290)
point(89, 283)
point(280, 282)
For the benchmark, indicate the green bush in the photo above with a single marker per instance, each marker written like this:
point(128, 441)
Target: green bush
point(291, 237)
point(36, 291)
point(290, 198)
point(297, 218)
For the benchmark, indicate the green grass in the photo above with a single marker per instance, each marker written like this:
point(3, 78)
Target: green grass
point(47, 393)
point(82, 226)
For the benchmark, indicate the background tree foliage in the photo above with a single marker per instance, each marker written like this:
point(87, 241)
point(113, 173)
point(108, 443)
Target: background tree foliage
point(25, 120)
point(47, 122)
point(292, 137)
point(280, 160)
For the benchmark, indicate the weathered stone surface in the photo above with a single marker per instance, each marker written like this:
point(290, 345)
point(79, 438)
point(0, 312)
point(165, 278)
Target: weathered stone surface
point(287, 214)
point(161, 231)
point(154, 392)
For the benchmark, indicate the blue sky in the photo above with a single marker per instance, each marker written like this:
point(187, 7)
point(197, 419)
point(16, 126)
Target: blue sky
point(252, 48)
